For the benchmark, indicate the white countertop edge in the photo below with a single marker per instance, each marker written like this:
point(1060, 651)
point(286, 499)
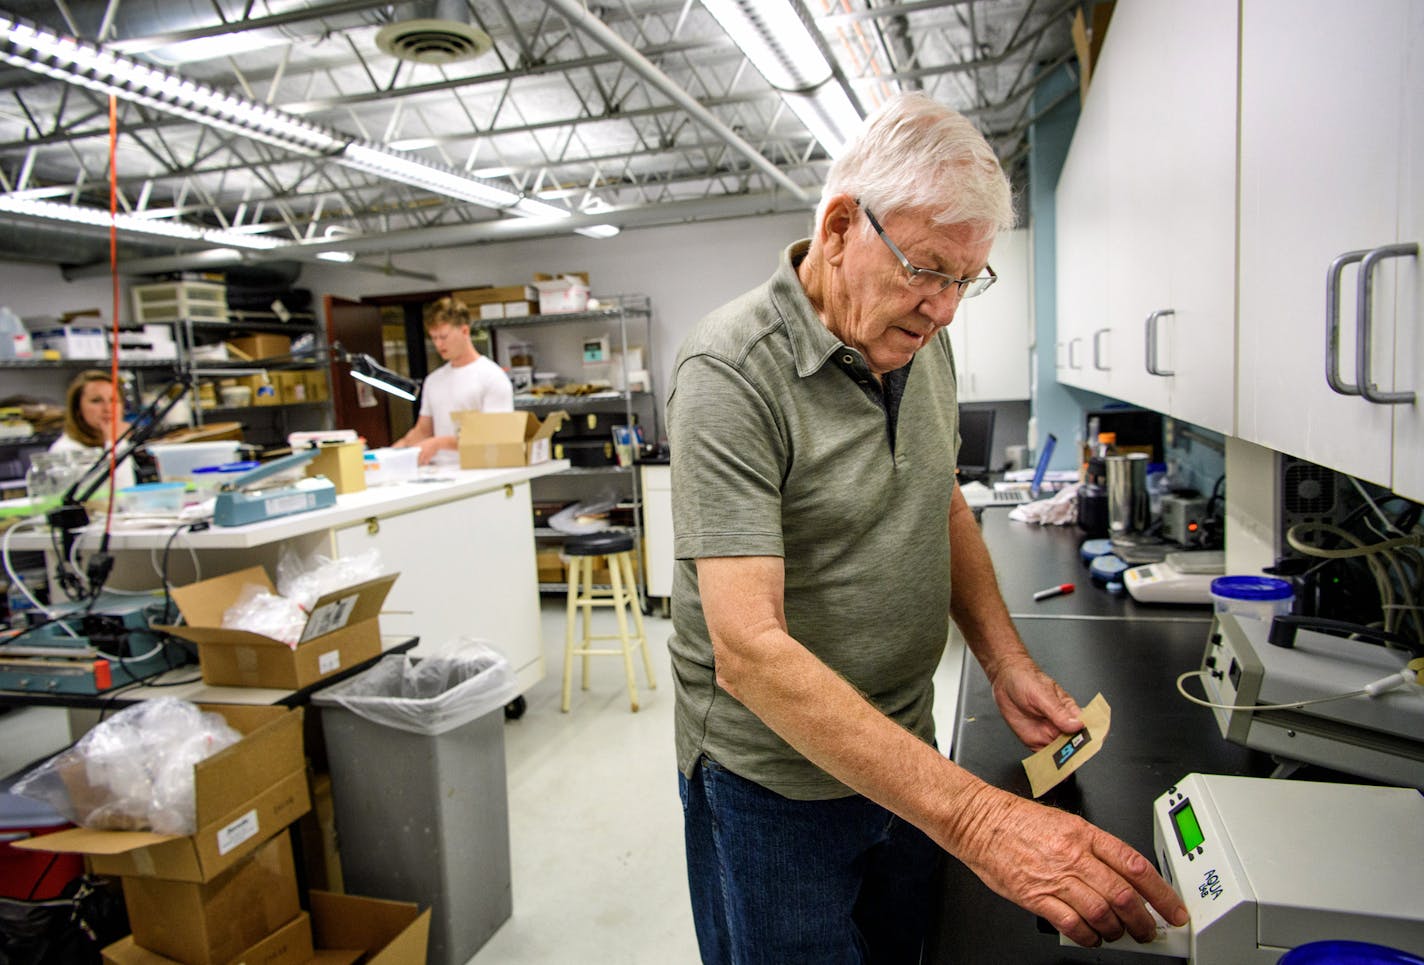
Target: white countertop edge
point(351, 508)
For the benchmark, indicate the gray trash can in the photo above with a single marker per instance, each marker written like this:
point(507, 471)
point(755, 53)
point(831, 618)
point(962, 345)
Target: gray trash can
point(416, 753)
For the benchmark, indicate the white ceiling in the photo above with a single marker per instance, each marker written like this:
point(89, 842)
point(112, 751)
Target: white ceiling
point(633, 113)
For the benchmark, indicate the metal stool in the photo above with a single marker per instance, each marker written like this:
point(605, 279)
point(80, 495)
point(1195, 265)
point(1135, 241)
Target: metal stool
point(583, 552)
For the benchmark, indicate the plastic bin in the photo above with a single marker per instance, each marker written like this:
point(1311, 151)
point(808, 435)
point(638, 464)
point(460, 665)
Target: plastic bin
point(416, 754)
point(177, 460)
point(1257, 597)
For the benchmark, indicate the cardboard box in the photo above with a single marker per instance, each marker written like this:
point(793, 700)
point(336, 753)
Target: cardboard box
point(341, 930)
point(551, 566)
point(343, 629)
point(344, 463)
point(489, 310)
point(390, 932)
point(289, 945)
point(214, 922)
point(520, 309)
point(321, 858)
point(474, 297)
point(244, 794)
point(490, 440)
point(317, 388)
point(260, 346)
point(567, 293)
point(291, 386)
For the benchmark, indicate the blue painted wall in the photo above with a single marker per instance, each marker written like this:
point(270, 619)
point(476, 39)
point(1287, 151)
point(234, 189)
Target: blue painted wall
point(1057, 408)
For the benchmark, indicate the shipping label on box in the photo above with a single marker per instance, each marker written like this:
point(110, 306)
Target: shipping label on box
point(492, 440)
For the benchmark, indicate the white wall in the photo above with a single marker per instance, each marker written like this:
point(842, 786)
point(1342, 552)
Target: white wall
point(686, 270)
point(40, 290)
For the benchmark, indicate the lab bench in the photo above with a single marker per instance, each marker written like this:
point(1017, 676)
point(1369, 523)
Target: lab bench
point(1090, 641)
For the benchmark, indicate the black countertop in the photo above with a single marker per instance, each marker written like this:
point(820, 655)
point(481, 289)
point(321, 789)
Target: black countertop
point(1091, 642)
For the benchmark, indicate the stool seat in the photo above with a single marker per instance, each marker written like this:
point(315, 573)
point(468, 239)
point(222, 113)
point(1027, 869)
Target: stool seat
point(598, 544)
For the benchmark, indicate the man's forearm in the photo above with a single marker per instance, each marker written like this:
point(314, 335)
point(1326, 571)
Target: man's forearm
point(976, 605)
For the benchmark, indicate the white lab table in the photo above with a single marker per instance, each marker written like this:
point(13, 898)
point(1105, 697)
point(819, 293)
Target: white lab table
point(462, 541)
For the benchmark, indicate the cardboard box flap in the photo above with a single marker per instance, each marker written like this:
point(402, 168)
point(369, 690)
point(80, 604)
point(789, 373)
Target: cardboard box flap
point(88, 841)
point(225, 782)
point(348, 606)
point(203, 604)
point(551, 425)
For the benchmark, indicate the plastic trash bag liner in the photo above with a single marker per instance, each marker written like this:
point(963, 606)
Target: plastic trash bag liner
point(430, 695)
point(134, 771)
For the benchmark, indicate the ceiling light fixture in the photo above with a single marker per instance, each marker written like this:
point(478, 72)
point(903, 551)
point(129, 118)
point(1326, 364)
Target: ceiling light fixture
point(84, 64)
point(149, 224)
point(599, 231)
point(780, 45)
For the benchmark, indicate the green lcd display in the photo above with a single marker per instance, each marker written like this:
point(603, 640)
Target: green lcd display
point(1189, 832)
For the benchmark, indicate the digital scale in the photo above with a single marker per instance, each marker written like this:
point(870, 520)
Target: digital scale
point(1266, 865)
point(1180, 578)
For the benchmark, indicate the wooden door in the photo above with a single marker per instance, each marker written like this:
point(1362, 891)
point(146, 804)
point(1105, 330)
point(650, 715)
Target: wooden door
point(357, 328)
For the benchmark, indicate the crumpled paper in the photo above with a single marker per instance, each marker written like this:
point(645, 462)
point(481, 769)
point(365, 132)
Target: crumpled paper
point(1059, 510)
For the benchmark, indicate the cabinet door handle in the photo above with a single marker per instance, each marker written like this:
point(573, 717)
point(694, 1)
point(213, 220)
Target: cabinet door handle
point(1097, 351)
point(1072, 355)
point(1365, 311)
point(1152, 367)
point(1332, 322)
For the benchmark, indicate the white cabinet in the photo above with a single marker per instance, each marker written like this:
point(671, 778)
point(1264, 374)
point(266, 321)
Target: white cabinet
point(468, 570)
point(1082, 253)
point(657, 528)
point(990, 334)
point(1332, 161)
point(1147, 219)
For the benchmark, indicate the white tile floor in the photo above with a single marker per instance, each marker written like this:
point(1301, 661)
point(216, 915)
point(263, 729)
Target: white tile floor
point(595, 823)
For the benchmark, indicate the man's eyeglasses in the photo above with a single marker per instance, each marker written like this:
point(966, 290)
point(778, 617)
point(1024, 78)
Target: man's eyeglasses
point(936, 280)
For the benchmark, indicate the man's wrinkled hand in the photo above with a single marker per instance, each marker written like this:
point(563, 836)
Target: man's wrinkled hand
point(1033, 705)
point(1088, 884)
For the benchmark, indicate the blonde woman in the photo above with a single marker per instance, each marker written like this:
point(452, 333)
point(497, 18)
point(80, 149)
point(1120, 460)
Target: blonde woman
point(89, 421)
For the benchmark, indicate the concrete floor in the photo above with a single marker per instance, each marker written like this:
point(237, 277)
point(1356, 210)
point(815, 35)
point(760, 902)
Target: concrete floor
point(595, 821)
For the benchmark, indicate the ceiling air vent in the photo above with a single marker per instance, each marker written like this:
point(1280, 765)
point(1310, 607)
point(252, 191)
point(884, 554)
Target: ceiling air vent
point(433, 41)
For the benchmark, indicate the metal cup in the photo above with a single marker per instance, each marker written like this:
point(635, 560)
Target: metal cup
point(1129, 504)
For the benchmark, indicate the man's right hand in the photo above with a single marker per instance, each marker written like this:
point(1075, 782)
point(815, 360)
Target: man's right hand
point(1085, 882)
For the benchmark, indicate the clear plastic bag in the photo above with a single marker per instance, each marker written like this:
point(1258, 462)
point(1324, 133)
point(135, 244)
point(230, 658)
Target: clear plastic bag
point(307, 580)
point(429, 695)
point(134, 771)
point(257, 610)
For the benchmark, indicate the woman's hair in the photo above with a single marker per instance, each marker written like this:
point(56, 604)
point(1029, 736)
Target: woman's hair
point(74, 425)
point(914, 152)
point(447, 311)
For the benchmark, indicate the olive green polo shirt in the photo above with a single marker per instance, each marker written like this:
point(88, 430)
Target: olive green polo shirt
point(776, 452)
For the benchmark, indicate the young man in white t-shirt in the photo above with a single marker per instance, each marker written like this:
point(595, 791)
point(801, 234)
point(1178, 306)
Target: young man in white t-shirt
point(467, 382)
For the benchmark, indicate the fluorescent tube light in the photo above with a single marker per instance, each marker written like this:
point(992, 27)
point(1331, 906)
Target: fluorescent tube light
point(598, 230)
point(162, 227)
point(782, 48)
point(77, 62)
point(341, 257)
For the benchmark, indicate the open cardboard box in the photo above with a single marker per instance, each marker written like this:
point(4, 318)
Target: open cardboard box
point(343, 629)
point(340, 930)
point(492, 440)
point(244, 794)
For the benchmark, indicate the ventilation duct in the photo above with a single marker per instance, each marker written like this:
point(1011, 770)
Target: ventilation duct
point(439, 33)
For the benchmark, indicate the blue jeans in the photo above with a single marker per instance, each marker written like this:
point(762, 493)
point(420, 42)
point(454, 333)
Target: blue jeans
point(819, 882)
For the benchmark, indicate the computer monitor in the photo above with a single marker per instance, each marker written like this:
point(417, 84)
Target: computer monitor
point(976, 442)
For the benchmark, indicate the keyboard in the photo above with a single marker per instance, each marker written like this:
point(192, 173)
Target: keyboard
point(979, 495)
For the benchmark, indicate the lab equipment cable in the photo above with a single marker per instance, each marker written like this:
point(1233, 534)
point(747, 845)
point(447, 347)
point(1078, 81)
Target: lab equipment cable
point(15, 580)
point(1408, 675)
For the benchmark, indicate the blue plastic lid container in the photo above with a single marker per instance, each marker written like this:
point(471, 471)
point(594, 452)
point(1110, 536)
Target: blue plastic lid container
point(1257, 597)
point(1251, 588)
point(1347, 953)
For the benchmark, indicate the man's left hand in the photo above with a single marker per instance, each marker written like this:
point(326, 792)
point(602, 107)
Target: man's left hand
point(428, 449)
point(1033, 705)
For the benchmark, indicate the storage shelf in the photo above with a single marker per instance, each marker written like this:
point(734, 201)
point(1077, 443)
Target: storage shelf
point(265, 324)
point(259, 408)
point(561, 318)
point(574, 401)
point(103, 363)
point(593, 470)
